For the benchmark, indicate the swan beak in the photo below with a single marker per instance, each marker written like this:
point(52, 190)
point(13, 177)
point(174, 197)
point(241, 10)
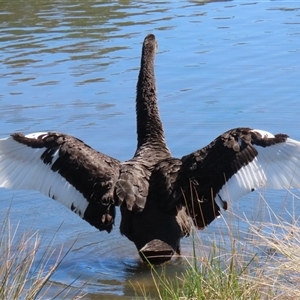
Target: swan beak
point(156, 252)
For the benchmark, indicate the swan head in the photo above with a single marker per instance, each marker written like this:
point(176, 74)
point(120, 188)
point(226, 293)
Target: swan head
point(150, 43)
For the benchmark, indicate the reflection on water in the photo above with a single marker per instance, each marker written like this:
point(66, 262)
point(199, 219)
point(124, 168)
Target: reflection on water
point(72, 66)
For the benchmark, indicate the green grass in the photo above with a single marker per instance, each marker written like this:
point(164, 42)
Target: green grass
point(26, 267)
point(265, 265)
point(216, 276)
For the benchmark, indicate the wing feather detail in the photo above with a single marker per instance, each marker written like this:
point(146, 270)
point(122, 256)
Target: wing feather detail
point(275, 167)
point(236, 163)
point(62, 168)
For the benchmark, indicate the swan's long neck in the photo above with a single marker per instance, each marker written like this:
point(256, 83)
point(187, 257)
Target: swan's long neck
point(149, 126)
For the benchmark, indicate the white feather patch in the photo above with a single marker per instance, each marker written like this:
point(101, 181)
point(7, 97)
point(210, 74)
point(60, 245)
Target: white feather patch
point(275, 167)
point(263, 133)
point(21, 167)
point(35, 135)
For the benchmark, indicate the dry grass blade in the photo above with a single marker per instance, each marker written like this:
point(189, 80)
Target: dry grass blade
point(261, 262)
point(26, 267)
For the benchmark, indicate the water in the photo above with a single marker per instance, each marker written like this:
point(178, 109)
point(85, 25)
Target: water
point(71, 66)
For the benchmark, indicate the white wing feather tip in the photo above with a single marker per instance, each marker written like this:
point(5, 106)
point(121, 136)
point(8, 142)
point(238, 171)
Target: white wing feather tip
point(35, 135)
point(263, 133)
point(276, 167)
point(21, 167)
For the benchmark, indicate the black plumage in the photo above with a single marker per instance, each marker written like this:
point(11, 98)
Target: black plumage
point(160, 197)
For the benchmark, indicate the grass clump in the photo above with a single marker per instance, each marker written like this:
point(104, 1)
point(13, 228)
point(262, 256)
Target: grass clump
point(281, 245)
point(264, 264)
point(26, 268)
point(216, 276)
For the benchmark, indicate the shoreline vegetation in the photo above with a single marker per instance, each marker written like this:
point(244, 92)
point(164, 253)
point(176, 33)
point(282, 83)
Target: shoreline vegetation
point(27, 266)
point(265, 264)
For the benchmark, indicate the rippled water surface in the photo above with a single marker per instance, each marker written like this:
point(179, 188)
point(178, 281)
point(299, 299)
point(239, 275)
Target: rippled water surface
point(71, 66)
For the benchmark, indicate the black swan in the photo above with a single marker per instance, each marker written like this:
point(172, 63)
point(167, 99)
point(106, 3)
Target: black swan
point(160, 197)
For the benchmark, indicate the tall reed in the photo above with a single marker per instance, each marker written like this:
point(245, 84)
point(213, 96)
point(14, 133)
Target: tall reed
point(264, 264)
point(26, 267)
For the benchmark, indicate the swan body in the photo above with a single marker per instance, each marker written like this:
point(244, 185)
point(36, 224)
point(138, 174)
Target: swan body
point(160, 197)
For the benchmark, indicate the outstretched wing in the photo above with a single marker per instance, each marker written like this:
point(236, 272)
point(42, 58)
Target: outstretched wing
point(236, 163)
point(64, 169)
